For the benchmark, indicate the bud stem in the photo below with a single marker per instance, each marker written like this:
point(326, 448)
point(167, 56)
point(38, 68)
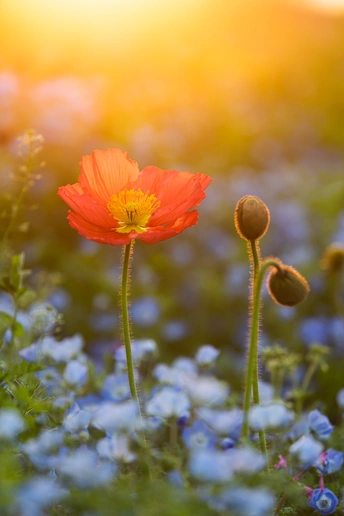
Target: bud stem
point(252, 366)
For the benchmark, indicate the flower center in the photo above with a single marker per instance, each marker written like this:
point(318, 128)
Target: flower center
point(132, 209)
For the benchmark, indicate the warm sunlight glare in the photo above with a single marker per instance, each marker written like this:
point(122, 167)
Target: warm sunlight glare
point(335, 6)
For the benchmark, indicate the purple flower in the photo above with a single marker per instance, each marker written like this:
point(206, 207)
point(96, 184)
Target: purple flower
point(323, 500)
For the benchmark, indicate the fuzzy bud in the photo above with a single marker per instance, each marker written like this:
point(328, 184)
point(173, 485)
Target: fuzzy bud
point(287, 287)
point(251, 218)
point(333, 258)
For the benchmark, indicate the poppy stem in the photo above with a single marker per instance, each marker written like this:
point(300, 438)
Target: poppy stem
point(252, 366)
point(124, 294)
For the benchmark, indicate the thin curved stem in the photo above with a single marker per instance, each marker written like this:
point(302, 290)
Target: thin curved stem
point(251, 374)
point(255, 380)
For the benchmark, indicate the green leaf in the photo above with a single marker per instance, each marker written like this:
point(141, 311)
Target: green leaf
point(18, 273)
point(16, 269)
point(6, 322)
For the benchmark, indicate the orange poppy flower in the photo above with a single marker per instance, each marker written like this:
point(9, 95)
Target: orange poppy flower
point(114, 202)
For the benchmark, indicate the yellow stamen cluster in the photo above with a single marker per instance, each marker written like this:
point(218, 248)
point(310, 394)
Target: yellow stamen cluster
point(132, 209)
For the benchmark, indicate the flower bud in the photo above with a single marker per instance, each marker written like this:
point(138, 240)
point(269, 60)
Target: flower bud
point(251, 218)
point(333, 258)
point(286, 286)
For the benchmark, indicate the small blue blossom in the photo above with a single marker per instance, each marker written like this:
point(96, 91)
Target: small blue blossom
point(176, 478)
point(206, 355)
point(116, 387)
point(210, 466)
point(300, 428)
point(199, 435)
point(11, 423)
point(168, 403)
point(175, 330)
point(320, 424)
point(76, 420)
point(227, 443)
point(340, 398)
point(172, 376)
point(307, 449)
point(266, 391)
point(323, 501)
point(83, 468)
point(329, 461)
point(40, 449)
point(115, 448)
point(50, 378)
point(116, 417)
point(75, 373)
point(245, 460)
point(185, 364)
point(242, 501)
point(142, 349)
point(314, 329)
point(48, 347)
point(271, 416)
point(207, 390)
point(37, 494)
point(145, 311)
point(226, 423)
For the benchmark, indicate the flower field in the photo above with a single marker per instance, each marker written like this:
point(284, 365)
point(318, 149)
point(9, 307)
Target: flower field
point(171, 258)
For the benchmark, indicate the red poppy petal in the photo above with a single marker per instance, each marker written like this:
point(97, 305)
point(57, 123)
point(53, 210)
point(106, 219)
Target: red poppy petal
point(87, 207)
point(106, 172)
point(158, 234)
point(178, 195)
point(93, 232)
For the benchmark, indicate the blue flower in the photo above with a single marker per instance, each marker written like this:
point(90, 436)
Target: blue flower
point(168, 403)
point(227, 443)
point(176, 478)
point(176, 376)
point(226, 423)
point(11, 423)
point(199, 435)
point(83, 468)
point(247, 502)
point(37, 494)
point(340, 398)
point(207, 390)
point(320, 424)
point(75, 373)
point(115, 447)
point(145, 311)
point(206, 355)
point(307, 449)
point(245, 460)
point(116, 387)
point(141, 350)
point(116, 417)
point(271, 416)
point(329, 461)
point(185, 364)
point(210, 466)
point(323, 500)
point(76, 420)
point(40, 449)
point(314, 329)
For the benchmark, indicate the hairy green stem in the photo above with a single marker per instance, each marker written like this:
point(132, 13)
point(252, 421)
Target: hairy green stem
point(252, 373)
point(127, 257)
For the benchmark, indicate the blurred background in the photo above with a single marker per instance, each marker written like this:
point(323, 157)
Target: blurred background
point(250, 92)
